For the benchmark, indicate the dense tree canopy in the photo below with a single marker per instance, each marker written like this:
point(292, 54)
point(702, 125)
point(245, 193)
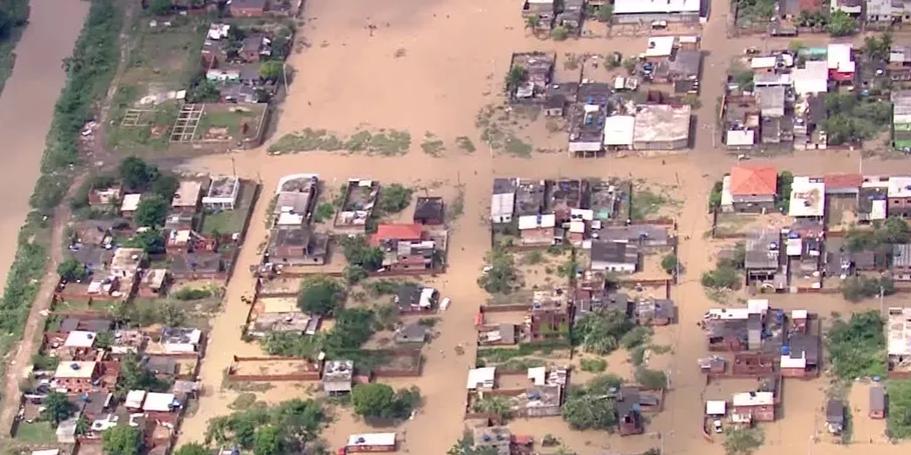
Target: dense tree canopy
point(600, 333)
point(152, 211)
point(857, 346)
point(590, 407)
point(122, 440)
point(320, 296)
point(57, 408)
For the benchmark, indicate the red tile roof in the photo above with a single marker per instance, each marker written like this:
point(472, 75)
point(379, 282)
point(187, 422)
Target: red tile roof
point(836, 181)
point(753, 180)
point(396, 232)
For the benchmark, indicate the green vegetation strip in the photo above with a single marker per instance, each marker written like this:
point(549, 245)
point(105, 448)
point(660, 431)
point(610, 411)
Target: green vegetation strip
point(13, 18)
point(89, 73)
point(382, 142)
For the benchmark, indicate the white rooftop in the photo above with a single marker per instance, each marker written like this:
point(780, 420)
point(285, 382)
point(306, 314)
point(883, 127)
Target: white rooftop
point(898, 328)
point(659, 46)
point(656, 6)
point(793, 362)
point(838, 57)
point(807, 198)
point(762, 62)
point(740, 137)
point(757, 306)
point(158, 402)
point(135, 398)
point(80, 339)
point(537, 221)
point(753, 399)
point(502, 205)
point(426, 300)
point(537, 375)
point(371, 439)
point(618, 130)
point(812, 78)
point(799, 314)
point(130, 202)
point(900, 186)
point(481, 377)
point(75, 370)
point(715, 407)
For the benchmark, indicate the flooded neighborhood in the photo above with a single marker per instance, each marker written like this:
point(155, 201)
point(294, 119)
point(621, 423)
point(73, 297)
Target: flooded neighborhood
point(465, 227)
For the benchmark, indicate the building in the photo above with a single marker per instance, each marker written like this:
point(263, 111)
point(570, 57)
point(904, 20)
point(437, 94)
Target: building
point(661, 127)
point(628, 408)
point(899, 203)
point(762, 260)
point(840, 63)
point(405, 248)
point(129, 204)
point(187, 197)
point(872, 201)
point(411, 298)
point(254, 47)
point(179, 340)
point(411, 333)
point(651, 311)
point(531, 196)
point(498, 438)
point(295, 246)
point(76, 377)
point(901, 262)
point(800, 356)
point(295, 197)
point(337, 376)
point(429, 211)
point(538, 68)
point(642, 235)
point(537, 230)
point(877, 402)
point(771, 101)
point(247, 8)
point(898, 341)
point(648, 11)
point(753, 406)
point(753, 188)
point(541, 10)
point(360, 197)
point(808, 198)
point(851, 7)
point(222, 193)
point(618, 132)
point(835, 416)
point(126, 262)
point(105, 196)
point(813, 78)
point(371, 442)
point(901, 120)
point(619, 257)
point(503, 201)
point(481, 378)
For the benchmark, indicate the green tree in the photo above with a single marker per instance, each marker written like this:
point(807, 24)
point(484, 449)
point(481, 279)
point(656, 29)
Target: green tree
point(605, 13)
point(151, 241)
point(591, 406)
point(192, 448)
point(516, 76)
point(742, 441)
point(268, 441)
point(465, 446)
point(320, 296)
point(531, 22)
point(501, 276)
point(856, 347)
point(133, 376)
point(559, 33)
point(374, 400)
point(271, 70)
point(358, 252)
point(600, 333)
point(899, 416)
point(203, 91)
point(354, 274)
point(57, 408)
point(652, 379)
point(723, 277)
point(496, 405)
point(72, 270)
point(637, 336)
point(136, 174)
point(165, 186)
point(857, 288)
point(877, 48)
point(160, 7)
point(152, 211)
point(841, 24)
point(669, 263)
point(395, 198)
point(104, 340)
point(122, 440)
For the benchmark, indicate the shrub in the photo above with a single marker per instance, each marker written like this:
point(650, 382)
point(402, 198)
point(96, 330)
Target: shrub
point(559, 33)
point(189, 293)
point(593, 365)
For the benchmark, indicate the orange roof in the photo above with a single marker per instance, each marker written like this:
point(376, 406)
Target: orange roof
point(753, 180)
point(396, 232)
point(840, 181)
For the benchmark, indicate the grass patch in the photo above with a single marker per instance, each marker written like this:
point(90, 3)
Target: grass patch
point(224, 222)
point(36, 433)
point(595, 365)
point(646, 203)
point(464, 144)
point(383, 142)
point(432, 145)
point(499, 355)
point(517, 147)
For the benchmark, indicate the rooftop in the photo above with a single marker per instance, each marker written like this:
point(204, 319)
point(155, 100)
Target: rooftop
point(75, 370)
point(80, 339)
point(753, 399)
point(661, 122)
point(618, 130)
point(900, 186)
point(753, 180)
point(807, 198)
point(656, 6)
point(899, 332)
point(371, 439)
point(187, 194)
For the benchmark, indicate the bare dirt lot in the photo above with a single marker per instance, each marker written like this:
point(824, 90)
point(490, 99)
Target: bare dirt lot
point(418, 70)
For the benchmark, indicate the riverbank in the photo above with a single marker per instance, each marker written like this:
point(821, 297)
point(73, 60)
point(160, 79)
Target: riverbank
point(17, 16)
point(88, 72)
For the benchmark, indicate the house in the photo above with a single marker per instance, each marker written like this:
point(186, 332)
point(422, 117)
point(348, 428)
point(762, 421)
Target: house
point(541, 10)
point(642, 235)
point(153, 282)
point(898, 341)
point(899, 203)
point(538, 68)
point(554, 105)
point(808, 198)
point(753, 406)
point(899, 65)
point(496, 440)
point(360, 197)
point(222, 193)
point(411, 298)
point(187, 197)
point(877, 402)
point(537, 230)
point(850, 7)
point(188, 241)
point(247, 8)
point(502, 201)
point(105, 196)
point(608, 201)
point(79, 344)
point(481, 378)
point(651, 311)
point(411, 333)
point(685, 65)
point(281, 314)
point(648, 11)
point(800, 357)
point(337, 376)
point(295, 196)
point(571, 16)
point(564, 199)
point(879, 13)
point(95, 259)
point(661, 127)
point(753, 188)
point(901, 262)
point(405, 248)
point(198, 265)
point(295, 246)
point(502, 334)
point(628, 408)
point(618, 132)
point(371, 442)
point(160, 402)
point(614, 257)
point(840, 62)
point(429, 211)
point(179, 221)
point(771, 101)
point(549, 316)
point(129, 204)
point(901, 120)
point(873, 200)
point(813, 78)
point(835, 416)
point(178, 340)
point(76, 377)
point(126, 262)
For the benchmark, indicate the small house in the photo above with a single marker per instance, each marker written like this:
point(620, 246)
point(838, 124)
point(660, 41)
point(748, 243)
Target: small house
point(411, 333)
point(129, 204)
point(835, 416)
point(629, 411)
point(877, 403)
point(619, 257)
point(899, 192)
point(371, 442)
point(105, 196)
point(337, 376)
point(187, 197)
point(76, 377)
point(537, 230)
point(247, 8)
point(481, 378)
point(901, 262)
point(753, 406)
point(429, 211)
point(753, 188)
point(222, 193)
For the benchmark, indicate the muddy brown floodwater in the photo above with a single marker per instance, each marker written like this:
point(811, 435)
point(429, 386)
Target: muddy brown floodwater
point(26, 108)
point(431, 65)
